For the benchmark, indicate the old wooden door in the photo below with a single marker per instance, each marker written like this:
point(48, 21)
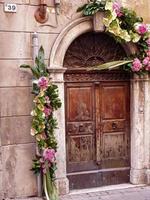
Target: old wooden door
point(97, 114)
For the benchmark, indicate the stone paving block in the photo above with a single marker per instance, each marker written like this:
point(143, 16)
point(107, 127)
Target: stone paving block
point(18, 180)
point(16, 130)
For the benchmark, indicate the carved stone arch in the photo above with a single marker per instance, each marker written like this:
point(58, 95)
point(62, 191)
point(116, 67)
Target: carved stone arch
point(66, 37)
point(69, 34)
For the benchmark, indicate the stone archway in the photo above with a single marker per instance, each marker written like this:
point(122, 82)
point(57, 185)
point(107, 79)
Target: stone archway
point(140, 109)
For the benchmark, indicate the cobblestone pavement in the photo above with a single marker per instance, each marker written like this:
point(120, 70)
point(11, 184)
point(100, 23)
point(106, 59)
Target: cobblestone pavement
point(138, 193)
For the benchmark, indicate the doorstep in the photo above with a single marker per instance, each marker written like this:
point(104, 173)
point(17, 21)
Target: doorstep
point(105, 188)
point(90, 190)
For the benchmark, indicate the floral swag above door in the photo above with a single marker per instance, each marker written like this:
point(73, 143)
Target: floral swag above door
point(125, 26)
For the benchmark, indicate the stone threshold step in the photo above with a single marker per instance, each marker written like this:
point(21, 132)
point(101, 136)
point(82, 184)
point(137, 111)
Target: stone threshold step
point(106, 188)
point(90, 190)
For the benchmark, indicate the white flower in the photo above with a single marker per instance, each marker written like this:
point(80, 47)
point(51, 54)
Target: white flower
point(32, 113)
point(32, 132)
point(43, 115)
point(35, 82)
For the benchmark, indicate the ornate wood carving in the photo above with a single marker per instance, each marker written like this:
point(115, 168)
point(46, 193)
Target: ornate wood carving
point(96, 76)
point(91, 49)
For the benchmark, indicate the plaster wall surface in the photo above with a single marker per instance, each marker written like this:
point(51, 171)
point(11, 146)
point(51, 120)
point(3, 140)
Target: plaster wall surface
point(16, 145)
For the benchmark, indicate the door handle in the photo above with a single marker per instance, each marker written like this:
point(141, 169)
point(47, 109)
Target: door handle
point(114, 125)
point(96, 83)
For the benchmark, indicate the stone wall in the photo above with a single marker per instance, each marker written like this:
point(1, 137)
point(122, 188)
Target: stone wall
point(16, 145)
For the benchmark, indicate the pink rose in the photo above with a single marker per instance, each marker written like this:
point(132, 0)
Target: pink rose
point(49, 155)
point(148, 42)
point(117, 8)
point(47, 100)
point(146, 61)
point(43, 82)
point(148, 67)
point(142, 29)
point(47, 111)
point(148, 53)
point(136, 65)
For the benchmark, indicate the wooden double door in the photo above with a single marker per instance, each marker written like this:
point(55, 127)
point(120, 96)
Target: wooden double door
point(97, 108)
point(97, 129)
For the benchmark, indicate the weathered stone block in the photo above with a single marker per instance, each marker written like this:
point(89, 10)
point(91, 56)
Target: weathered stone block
point(18, 180)
point(31, 2)
point(1, 189)
point(15, 1)
point(15, 101)
point(20, 21)
point(98, 24)
point(63, 186)
point(20, 45)
point(15, 45)
point(0, 159)
point(36, 2)
point(21, 77)
point(15, 130)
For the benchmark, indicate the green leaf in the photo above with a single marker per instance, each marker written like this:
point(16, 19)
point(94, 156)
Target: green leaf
point(41, 54)
point(110, 65)
point(49, 187)
point(35, 72)
point(25, 66)
point(45, 187)
point(81, 8)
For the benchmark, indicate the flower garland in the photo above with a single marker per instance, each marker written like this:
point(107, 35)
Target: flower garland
point(46, 101)
point(125, 26)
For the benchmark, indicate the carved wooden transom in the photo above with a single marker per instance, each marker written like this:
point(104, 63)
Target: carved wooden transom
point(91, 49)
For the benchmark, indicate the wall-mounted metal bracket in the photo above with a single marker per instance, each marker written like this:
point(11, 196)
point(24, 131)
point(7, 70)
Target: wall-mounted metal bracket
point(42, 14)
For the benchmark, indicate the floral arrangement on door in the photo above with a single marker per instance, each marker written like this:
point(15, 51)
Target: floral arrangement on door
point(125, 26)
point(46, 101)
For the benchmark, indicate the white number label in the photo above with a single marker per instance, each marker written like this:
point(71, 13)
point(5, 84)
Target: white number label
point(8, 7)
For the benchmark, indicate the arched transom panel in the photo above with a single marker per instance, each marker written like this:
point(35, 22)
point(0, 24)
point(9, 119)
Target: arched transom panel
point(91, 49)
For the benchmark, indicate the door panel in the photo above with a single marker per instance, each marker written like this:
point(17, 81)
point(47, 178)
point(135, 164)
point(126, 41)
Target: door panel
point(97, 126)
point(80, 127)
point(80, 103)
point(115, 125)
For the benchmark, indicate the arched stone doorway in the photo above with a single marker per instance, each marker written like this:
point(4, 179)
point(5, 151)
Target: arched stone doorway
point(97, 114)
point(139, 100)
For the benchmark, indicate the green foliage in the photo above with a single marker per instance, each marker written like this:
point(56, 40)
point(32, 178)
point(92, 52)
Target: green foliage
point(129, 19)
point(111, 65)
point(52, 91)
point(40, 68)
point(92, 8)
point(36, 168)
point(142, 45)
point(125, 26)
point(49, 187)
